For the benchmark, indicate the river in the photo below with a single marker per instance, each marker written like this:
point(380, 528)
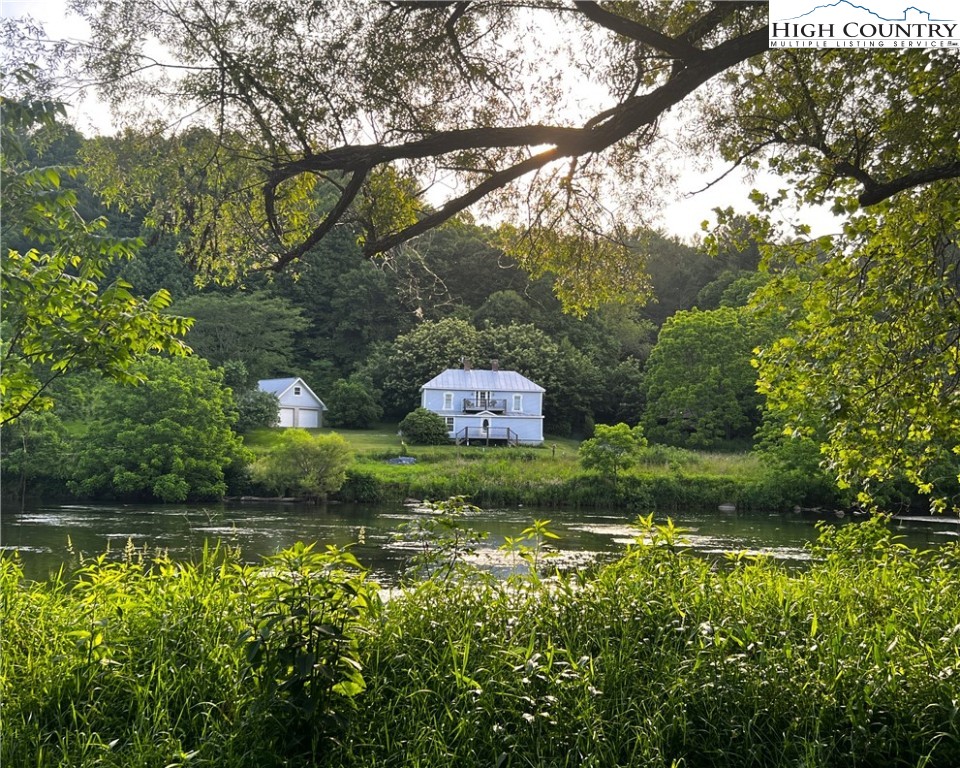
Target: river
point(48, 537)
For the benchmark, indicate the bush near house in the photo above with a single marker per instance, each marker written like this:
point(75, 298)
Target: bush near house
point(305, 465)
point(423, 427)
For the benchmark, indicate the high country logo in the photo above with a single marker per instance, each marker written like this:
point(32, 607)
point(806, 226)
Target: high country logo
point(865, 24)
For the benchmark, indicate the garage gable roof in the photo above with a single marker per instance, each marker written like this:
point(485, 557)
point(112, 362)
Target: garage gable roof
point(281, 387)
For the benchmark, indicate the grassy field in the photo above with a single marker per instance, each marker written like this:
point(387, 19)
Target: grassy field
point(383, 440)
point(663, 479)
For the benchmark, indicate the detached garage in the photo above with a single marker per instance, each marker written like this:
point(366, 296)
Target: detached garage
point(299, 405)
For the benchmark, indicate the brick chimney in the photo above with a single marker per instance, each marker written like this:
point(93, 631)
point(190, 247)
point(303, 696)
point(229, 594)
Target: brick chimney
point(466, 364)
point(494, 365)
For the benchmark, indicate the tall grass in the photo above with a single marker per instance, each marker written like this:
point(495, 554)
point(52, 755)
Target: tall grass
point(663, 660)
point(167, 664)
point(660, 659)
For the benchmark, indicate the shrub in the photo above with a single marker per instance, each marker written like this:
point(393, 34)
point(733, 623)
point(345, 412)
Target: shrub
point(423, 427)
point(305, 465)
point(612, 449)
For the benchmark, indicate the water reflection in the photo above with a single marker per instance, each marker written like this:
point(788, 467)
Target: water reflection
point(51, 536)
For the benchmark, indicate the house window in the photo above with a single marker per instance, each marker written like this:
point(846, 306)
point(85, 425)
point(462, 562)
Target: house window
point(449, 420)
point(448, 401)
point(296, 390)
point(518, 402)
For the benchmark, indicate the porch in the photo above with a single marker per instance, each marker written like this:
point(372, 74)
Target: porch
point(487, 436)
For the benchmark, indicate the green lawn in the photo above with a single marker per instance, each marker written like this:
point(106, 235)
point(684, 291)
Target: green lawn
point(663, 479)
point(383, 440)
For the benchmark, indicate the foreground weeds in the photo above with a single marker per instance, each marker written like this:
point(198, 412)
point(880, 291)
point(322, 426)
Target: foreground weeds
point(172, 664)
point(660, 659)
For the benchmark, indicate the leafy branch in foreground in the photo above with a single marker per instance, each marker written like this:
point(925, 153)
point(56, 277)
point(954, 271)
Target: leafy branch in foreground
point(870, 362)
point(57, 317)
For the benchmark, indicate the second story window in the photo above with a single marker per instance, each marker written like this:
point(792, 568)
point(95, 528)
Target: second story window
point(518, 402)
point(448, 401)
point(296, 390)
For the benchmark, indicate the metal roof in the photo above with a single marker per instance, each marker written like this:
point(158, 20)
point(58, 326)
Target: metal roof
point(280, 386)
point(482, 380)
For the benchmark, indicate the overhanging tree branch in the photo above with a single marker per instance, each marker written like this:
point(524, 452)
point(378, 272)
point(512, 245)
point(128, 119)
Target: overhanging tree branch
point(874, 192)
point(618, 123)
point(677, 48)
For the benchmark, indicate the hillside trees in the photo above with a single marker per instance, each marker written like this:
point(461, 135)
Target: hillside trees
point(34, 451)
point(416, 357)
point(254, 328)
point(350, 304)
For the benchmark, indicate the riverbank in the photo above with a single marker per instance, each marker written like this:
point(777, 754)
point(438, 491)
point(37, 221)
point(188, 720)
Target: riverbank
point(657, 660)
point(664, 479)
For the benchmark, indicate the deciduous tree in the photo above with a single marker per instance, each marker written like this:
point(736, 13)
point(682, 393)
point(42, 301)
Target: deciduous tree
point(612, 448)
point(169, 438)
point(699, 383)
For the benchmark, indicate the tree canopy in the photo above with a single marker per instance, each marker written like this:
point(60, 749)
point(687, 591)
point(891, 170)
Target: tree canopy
point(699, 385)
point(303, 114)
point(252, 328)
point(169, 438)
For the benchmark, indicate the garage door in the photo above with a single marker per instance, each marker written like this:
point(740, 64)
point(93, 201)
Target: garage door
point(308, 418)
point(286, 417)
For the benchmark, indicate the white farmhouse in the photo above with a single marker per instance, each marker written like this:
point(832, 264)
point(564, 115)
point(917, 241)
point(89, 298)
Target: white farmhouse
point(299, 405)
point(487, 406)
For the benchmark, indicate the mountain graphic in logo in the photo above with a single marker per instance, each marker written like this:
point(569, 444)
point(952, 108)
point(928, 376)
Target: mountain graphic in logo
point(847, 7)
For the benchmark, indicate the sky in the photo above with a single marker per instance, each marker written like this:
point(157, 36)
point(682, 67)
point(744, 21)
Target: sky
point(681, 215)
